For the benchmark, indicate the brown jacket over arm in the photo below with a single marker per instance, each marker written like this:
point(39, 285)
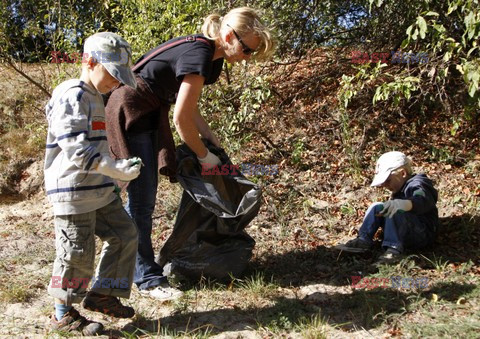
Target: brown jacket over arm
point(125, 108)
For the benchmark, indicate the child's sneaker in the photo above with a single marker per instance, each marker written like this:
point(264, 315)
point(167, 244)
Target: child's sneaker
point(107, 304)
point(391, 256)
point(162, 293)
point(355, 246)
point(73, 321)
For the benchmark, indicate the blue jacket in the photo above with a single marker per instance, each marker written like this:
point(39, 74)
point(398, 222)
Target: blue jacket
point(419, 189)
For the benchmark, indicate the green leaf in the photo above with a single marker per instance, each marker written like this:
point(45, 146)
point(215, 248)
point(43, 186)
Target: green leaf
point(430, 13)
point(472, 89)
point(422, 24)
point(409, 30)
point(396, 100)
point(471, 51)
point(474, 76)
point(407, 94)
point(415, 34)
point(471, 32)
point(447, 56)
point(377, 96)
point(439, 28)
point(454, 129)
point(469, 19)
point(411, 79)
point(452, 8)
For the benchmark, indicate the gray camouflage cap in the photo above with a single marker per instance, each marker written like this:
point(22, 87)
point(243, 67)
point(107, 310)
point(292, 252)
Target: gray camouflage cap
point(114, 53)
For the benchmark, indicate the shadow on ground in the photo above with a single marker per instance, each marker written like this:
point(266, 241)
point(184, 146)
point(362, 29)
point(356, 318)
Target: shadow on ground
point(367, 309)
point(457, 242)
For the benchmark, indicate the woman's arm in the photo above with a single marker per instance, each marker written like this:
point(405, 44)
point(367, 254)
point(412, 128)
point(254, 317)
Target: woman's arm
point(205, 130)
point(186, 116)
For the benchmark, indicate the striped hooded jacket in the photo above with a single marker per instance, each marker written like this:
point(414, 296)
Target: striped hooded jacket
point(76, 140)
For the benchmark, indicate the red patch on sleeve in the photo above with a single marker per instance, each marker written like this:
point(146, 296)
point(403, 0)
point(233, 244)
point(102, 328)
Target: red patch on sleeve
point(98, 125)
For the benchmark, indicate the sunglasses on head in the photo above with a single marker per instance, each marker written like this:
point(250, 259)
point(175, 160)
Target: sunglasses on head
point(245, 49)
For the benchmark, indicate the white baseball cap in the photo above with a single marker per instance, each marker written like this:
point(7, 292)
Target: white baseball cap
point(386, 164)
point(114, 53)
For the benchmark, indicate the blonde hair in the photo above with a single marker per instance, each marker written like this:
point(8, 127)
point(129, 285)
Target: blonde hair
point(243, 20)
point(407, 167)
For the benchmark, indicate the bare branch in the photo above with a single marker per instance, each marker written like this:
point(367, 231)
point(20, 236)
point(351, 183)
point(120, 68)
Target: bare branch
point(26, 76)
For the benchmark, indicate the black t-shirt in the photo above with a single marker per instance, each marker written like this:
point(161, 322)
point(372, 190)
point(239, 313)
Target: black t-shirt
point(164, 72)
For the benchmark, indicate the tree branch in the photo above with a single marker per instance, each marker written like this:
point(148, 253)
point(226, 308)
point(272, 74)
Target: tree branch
point(26, 76)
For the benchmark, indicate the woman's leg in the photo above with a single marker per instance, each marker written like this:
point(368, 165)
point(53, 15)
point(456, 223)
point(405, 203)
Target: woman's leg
point(142, 193)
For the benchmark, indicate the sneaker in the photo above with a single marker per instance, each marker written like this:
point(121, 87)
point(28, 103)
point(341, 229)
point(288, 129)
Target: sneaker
point(391, 256)
point(73, 321)
point(162, 293)
point(107, 304)
point(355, 246)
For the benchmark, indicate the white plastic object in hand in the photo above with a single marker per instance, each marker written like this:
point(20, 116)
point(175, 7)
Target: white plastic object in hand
point(122, 169)
point(209, 161)
point(391, 207)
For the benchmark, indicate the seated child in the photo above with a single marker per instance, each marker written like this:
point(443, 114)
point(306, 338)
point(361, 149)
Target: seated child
point(409, 219)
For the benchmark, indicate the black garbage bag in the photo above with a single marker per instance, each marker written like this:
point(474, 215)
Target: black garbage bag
point(209, 237)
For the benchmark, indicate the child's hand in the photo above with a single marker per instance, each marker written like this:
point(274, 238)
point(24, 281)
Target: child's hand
point(391, 207)
point(136, 161)
point(123, 169)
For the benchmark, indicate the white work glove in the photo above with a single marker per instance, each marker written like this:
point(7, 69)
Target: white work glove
point(123, 169)
point(209, 161)
point(391, 207)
